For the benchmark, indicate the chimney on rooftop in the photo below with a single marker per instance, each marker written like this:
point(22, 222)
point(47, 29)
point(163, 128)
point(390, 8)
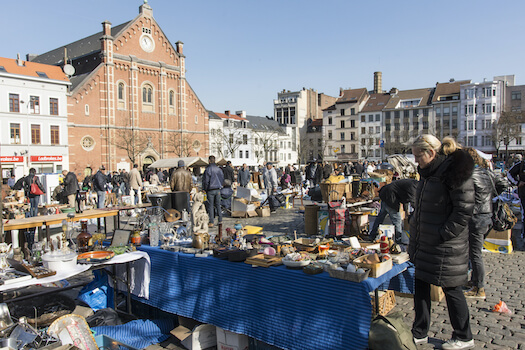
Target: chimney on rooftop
point(179, 45)
point(378, 82)
point(227, 113)
point(19, 61)
point(341, 90)
point(106, 28)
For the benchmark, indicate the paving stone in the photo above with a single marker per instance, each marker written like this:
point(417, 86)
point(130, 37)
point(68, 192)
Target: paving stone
point(509, 343)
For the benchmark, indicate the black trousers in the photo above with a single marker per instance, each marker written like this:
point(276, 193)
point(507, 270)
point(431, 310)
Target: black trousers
point(458, 312)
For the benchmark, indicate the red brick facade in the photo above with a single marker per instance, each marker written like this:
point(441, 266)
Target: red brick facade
point(113, 102)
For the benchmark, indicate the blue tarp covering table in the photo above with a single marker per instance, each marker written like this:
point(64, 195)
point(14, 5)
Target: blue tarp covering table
point(280, 306)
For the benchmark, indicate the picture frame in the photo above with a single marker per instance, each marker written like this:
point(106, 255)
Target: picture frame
point(120, 238)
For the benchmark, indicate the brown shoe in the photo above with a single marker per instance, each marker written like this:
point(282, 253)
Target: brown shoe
point(475, 293)
point(210, 225)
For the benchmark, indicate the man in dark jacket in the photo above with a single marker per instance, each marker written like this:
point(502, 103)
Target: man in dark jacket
point(212, 182)
point(327, 170)
point(99, 185)
point(310, 174)
point(392, 196)
point(318, 173)
point(359, 168)
point(228, 172)
point(33, 198)
point(70, 187)
point(244, 176)
point(516, 176)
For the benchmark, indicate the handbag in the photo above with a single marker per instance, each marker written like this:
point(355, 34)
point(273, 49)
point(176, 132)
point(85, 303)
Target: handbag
point(502, 216)
point(35, 189)
point(390, 332)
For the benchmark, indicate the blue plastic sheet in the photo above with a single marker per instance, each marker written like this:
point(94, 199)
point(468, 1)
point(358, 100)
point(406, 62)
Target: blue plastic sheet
point(97, 294)
point(139, 333)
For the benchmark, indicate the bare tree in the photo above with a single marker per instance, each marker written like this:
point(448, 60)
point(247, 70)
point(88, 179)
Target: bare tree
point(267, 143)
point(506, 129)
point(131, 141)
point(182, 145)
point(229, 139)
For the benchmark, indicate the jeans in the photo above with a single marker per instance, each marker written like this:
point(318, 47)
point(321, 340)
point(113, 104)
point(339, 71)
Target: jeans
point(213, 204)
point(33, 201)
point(101, 199)
point(395, 217)
point(135, 194)
point(458, 312)
point(478, 226)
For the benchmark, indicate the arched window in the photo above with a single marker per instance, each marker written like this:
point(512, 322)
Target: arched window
point(171, 102)
point(147, 98)
point(121, 95)
point(120, 91)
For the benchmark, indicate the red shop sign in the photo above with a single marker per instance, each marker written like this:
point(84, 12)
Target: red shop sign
point(46, 158)
point(11, 159)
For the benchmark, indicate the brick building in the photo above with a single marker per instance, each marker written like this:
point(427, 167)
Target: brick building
point(129, 100)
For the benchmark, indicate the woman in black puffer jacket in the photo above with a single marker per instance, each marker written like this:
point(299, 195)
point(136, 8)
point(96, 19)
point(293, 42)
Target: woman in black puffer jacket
point(439, 234)
point(487, 185)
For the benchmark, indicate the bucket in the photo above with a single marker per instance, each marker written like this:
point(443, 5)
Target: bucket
point(310, 220)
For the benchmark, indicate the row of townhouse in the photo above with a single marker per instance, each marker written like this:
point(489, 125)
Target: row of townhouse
point(373, 124)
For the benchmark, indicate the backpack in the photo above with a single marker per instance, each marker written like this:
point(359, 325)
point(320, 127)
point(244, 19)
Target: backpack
point(390, 333)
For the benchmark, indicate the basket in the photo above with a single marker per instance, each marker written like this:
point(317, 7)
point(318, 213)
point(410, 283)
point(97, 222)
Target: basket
point(387, 301)
point(333, 192)
point(349, 276)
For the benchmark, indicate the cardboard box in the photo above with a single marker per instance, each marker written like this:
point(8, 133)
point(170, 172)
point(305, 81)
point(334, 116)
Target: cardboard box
point(239, 205)
point(263, 212)
point(194, 335)
point(376, 270)
point(499, 242)
point(248, 194)
point(436, 293)
point(227, 340)
point(243, 214)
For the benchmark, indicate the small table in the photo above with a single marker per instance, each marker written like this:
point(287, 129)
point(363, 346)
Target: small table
point(121, 266)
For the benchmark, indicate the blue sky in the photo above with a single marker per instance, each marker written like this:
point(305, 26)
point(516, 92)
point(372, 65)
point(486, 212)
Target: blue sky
point(240, 53)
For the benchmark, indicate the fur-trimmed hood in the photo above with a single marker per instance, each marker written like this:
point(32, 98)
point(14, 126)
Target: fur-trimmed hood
point(458, 168)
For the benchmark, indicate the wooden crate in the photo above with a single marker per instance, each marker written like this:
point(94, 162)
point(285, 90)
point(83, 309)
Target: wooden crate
point(387, 301)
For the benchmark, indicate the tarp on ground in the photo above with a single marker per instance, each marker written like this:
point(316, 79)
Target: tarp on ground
point(174, 162)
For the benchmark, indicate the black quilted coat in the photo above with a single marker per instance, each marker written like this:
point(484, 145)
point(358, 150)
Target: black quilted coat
point(439, 226)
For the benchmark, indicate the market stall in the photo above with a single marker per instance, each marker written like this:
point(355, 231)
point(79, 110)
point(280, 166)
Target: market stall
point(280, 306)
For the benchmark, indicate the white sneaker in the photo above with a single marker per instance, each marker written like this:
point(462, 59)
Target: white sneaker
point(421, 341)
point(458, 344)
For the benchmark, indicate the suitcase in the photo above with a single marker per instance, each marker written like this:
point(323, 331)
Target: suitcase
point(340, 222)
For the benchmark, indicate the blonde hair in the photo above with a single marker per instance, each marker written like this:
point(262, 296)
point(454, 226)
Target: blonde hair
point(427, 142)
point(476, 157)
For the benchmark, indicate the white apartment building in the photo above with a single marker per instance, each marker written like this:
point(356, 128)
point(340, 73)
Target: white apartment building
point(481, 105)
point(33, 117)
point(371, 144)
point(294, 110)
point(231, 137)
point(249, 139)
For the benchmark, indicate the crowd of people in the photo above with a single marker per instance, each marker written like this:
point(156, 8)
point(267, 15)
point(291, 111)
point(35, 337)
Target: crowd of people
point(451, 211)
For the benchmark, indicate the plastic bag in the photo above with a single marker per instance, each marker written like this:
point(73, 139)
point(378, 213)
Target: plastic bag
point(97, 294)
point(501, 307)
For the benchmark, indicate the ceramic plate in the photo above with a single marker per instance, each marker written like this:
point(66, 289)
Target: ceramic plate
point(95, 257)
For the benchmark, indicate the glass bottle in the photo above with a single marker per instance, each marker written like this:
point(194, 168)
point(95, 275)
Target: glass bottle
point(154, 234)
point(83, 237)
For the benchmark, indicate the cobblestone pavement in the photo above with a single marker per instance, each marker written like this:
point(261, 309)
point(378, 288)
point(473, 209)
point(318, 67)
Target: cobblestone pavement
point(504, 273)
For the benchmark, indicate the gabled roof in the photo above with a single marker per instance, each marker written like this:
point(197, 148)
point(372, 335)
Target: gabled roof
point(264, 124)
point(448, 89)
point(229, 116)
point(352, 96)
point(422, 94)
point(79, 48)
point(376, 102)
point(32, 69)
point(212, 115)
point(316, 122)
